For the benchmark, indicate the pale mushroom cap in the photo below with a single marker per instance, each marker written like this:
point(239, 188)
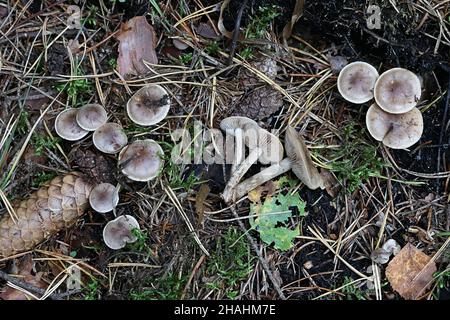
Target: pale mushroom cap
point(356, 82)
point(232, 123)
point(272, 148)
point(149, 105)
point(67, 127)
point(397, 131)
point(110, 138)
point(397, 90)
point(118, 232)
point(141, 160)
point(92, 116)
point(104, 198)
point(255, 136)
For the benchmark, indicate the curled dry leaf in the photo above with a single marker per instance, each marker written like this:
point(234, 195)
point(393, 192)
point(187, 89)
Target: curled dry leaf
point(304, 168)
point(410, 272)
point(137, 44)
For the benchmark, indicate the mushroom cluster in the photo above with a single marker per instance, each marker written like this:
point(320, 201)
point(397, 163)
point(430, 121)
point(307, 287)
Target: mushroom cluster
point(268, 149)
point(394, 118)
point(141, 160)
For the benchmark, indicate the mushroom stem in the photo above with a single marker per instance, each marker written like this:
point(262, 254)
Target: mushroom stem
point(258, 179)
point(239, 173)
point(239, 148)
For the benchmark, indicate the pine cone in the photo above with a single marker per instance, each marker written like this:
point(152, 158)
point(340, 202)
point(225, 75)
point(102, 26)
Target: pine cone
point(55, 206)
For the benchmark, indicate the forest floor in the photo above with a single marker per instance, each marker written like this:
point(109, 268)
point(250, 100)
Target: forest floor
point(374, 193)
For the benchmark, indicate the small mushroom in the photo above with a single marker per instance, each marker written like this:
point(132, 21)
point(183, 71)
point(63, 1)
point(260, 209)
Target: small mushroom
point(299, 160)
point(397, 90)
point(397, 131)
point(118, 232)
point(235, 126)
point(91, 116)
point(104, 198)
point(141, 160)
point(180, 44)
point(262, 144)
point(67, 127)
point(356, 82)
point(149, 105)
point(110, 138)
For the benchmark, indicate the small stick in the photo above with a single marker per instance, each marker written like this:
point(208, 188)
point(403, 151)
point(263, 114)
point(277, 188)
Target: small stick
point(263, 261)
point(29, 287)
point(237, 26)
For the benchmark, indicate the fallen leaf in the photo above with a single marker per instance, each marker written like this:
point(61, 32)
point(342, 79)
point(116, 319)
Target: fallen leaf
point(200, 201)
point(255, 195)
point(410, 272)
point(332, 186)
point(296, 14)
point(25, 268)
point(275, 211)
point(206, 31)
point(137, 44)
point(303, 166)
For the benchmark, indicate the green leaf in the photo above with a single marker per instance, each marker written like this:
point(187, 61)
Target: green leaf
point(281, 237)
point(271, 217)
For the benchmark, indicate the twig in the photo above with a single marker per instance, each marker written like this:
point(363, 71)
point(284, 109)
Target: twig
point(237, 26)
point(263, 261)
point(30, 287)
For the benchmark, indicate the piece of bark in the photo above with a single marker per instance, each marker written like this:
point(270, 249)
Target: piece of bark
point(137, 44)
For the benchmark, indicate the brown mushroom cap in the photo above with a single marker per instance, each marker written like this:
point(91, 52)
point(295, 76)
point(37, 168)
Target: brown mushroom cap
point(141, 160)
point(149, 105)
point(397, 131)
point(356, 82)
point(91, 116)
point(104, 198)
point(397, 90)
point(118, 232)
point(110, 138)
point(67, 127)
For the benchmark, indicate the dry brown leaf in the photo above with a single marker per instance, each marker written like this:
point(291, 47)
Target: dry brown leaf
point(200, 201)
point(296, 14)
point(410, 272)
point(25, 268)
point(137, 44)
point(255, 195)
point(332, 186)
point(302, 166)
